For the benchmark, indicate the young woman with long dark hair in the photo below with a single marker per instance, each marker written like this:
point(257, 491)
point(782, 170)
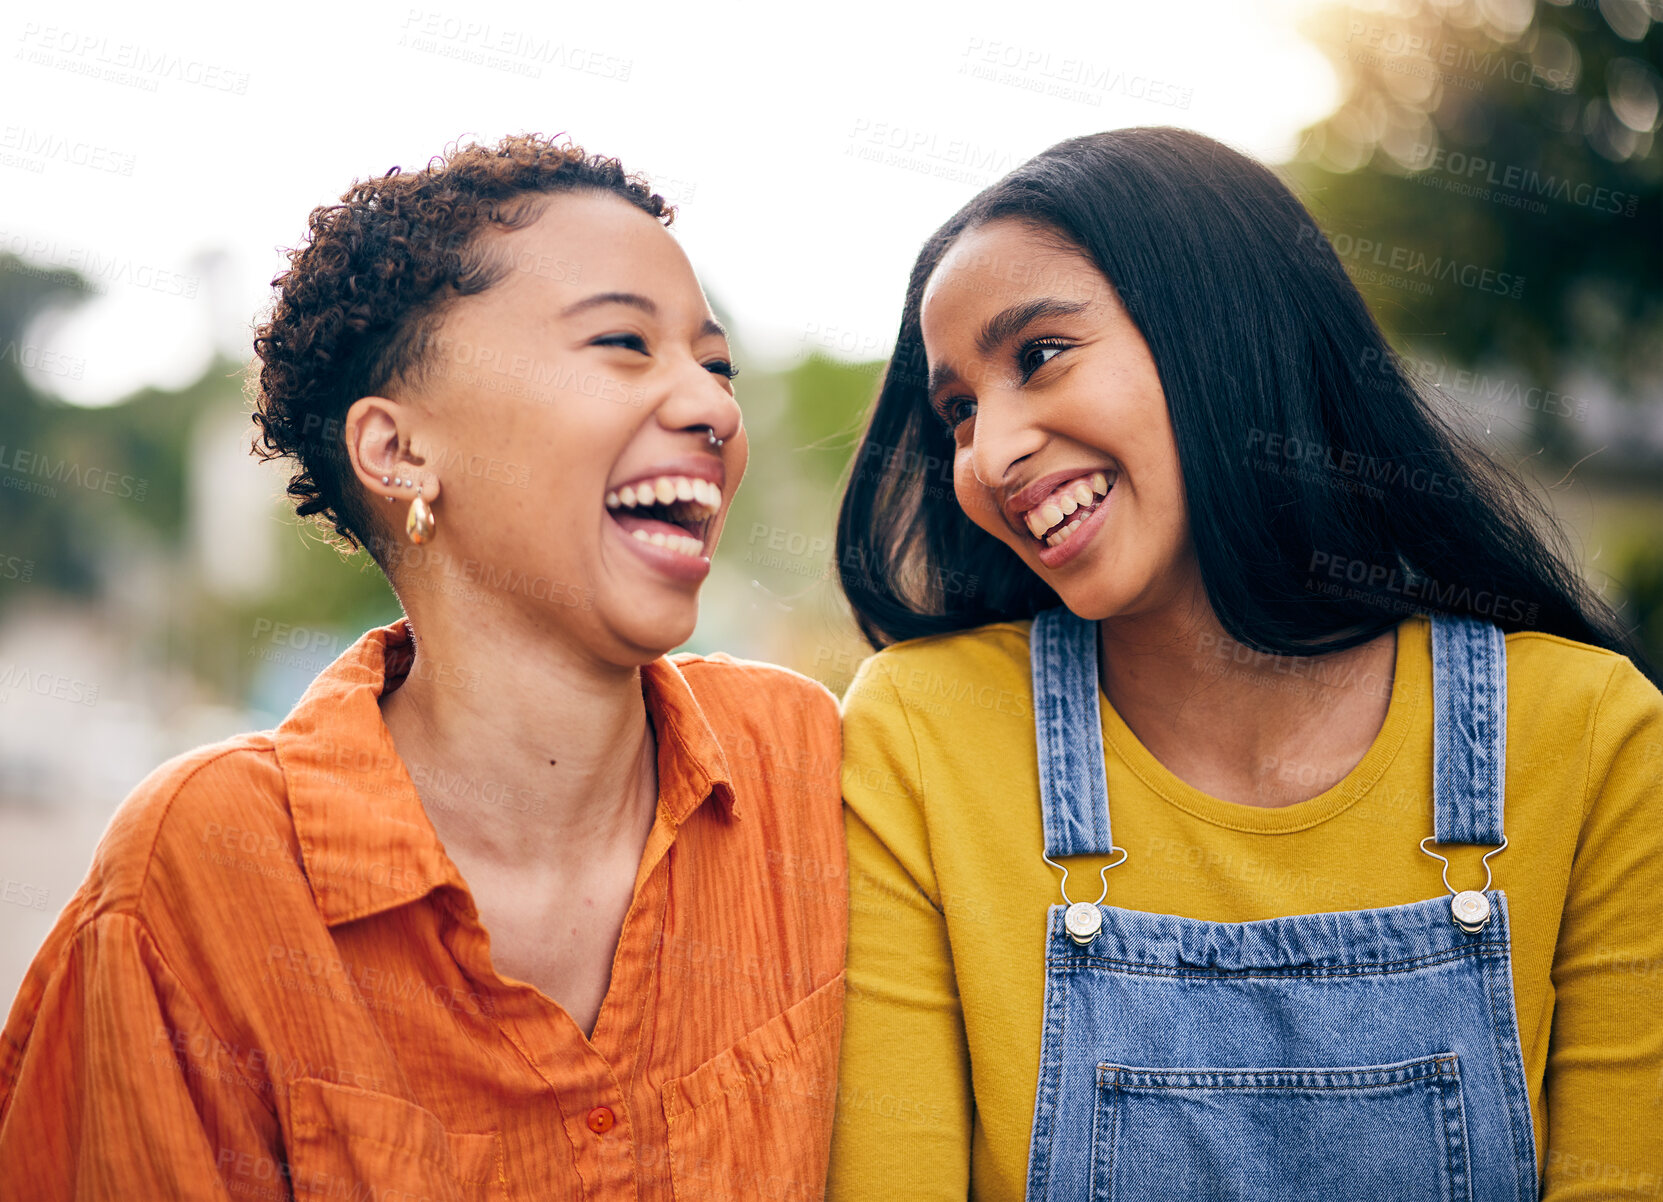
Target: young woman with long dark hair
point(1248, 799)
point(514, 903)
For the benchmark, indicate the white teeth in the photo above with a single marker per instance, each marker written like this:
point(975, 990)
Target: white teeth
point(1062, 536)
point(668, 490)
point(1073, 496)
point(681, 544)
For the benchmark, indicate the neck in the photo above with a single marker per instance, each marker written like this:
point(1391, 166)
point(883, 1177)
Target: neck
point(1232, 721)
point(524, 749)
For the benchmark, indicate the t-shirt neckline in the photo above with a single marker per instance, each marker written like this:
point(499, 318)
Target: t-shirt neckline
point(1411, 680)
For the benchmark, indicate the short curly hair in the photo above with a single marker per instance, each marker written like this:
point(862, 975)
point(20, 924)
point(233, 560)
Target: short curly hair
point(359, 305)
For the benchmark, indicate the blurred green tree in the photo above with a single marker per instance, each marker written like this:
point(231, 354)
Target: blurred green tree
point(1513, 135)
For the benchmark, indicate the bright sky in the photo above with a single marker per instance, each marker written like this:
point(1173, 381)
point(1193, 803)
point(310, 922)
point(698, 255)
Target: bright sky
point(811, 149)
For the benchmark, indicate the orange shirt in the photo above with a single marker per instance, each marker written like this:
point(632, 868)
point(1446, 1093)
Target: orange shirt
point(274, 982)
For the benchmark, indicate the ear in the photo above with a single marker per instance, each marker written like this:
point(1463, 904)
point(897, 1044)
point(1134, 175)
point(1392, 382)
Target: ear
point(378, 434)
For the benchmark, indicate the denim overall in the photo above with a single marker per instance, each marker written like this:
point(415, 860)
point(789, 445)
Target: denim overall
point(1365, 1056)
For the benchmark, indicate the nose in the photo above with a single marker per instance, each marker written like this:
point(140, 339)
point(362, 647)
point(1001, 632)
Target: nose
point(1003, 436)
point(698, 399)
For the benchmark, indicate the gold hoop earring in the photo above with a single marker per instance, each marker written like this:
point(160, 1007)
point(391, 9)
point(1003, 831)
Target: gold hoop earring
point(420, 523)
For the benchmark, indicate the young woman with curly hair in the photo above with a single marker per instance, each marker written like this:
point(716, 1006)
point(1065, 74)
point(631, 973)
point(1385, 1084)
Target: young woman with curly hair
point(1145, 830)
point(514, 903)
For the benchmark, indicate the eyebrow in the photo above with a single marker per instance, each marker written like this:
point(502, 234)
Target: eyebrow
point(636, 301)
point(1005, 325)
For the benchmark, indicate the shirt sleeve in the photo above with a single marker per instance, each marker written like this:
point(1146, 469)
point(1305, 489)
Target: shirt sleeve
point(120, 1090)
point(1604, 1085)
point(903, 1126)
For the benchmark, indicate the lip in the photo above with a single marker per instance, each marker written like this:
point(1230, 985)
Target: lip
point(1017, 504)
point(694, 467)
point(691, 569)
point(1055, 557)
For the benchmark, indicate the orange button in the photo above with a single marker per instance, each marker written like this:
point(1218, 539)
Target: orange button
point(601, 1120)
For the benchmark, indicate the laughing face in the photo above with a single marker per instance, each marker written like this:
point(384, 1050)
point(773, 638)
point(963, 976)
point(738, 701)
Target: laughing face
point(563, 427)
point(1063, 447)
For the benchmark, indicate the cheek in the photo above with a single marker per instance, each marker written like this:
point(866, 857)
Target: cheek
point(736, 460)
point(974, 498)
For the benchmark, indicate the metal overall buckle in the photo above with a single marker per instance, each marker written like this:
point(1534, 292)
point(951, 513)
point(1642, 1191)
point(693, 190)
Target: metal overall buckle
point(1469, 907)
point(1082, 920)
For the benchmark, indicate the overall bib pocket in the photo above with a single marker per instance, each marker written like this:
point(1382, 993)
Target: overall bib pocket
point(1380, 1133)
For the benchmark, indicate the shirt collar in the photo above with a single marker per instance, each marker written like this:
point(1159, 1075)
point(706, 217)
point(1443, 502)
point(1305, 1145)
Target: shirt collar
point(692, 766)
point(365, 838)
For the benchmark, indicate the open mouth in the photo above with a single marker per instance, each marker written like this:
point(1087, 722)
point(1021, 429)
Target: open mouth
point(672, 512)
point(1054, 520)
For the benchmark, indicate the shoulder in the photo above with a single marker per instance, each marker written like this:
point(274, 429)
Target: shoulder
point(750, 688)
point(982, 670)
point(1573, 704)
point(1575, 680)
point(171, 830)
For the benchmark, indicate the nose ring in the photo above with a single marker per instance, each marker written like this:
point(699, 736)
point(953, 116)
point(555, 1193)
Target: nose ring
point(711, 433)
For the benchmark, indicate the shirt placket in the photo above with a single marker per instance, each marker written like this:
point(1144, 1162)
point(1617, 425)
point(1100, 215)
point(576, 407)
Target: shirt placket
point(590, 1079)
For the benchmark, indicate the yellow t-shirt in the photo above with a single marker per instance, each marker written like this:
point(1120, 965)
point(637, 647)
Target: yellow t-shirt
point(948, 897)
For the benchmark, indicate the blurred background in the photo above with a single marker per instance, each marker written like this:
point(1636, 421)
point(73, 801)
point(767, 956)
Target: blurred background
point(155, 592)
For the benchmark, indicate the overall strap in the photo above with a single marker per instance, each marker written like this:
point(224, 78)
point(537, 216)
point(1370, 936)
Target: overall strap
point(1074, 798)
point(1469, 731)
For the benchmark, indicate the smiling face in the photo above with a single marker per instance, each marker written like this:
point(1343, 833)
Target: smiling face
point(564, 421)
point(1063, 449)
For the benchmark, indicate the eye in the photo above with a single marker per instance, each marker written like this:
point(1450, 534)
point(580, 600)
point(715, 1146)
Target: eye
point(955, 411)
point(721, 367)
point(629, 342)
point(1036, 354)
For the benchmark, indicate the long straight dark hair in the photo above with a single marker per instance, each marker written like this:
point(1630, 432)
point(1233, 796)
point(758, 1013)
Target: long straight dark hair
point(1327, 496)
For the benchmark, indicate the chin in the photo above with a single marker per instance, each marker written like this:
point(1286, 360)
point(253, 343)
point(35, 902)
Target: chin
point(658, 631)
point(1095, 600)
